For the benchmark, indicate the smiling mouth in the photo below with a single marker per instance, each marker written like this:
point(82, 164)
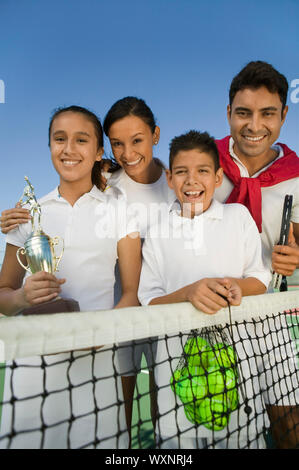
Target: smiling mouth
point(193, 195)
point(254, 139)
point(71, 162)
point(134, 163)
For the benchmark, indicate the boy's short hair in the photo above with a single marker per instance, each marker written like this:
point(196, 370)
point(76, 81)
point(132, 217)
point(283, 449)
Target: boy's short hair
point(257, 74)
point(192, 140)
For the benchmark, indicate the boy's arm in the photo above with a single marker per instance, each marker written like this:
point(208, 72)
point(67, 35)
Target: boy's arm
point(207, 295)
point(250, 286)
point(129, 261)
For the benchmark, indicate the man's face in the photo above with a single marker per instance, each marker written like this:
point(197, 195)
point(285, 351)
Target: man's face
point(255, 118)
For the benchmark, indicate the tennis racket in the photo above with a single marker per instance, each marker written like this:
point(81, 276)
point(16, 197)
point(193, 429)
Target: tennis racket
point(279, 281)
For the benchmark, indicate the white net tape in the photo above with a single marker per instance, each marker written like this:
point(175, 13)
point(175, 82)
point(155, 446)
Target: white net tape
point(49, 334)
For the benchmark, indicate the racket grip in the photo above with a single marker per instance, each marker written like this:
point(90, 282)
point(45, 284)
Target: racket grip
point(276, 280)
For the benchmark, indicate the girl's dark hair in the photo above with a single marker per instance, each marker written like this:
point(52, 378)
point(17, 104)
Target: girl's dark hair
point(96, 170)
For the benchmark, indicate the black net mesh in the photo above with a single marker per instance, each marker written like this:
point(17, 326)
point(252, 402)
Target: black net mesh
point(231, 386)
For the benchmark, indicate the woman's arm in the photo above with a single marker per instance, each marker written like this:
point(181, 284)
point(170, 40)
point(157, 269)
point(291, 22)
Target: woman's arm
point(129, 261)
point(38, 288)
point(12, 218)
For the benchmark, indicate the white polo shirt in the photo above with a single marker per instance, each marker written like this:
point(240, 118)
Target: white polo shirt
point(144, 200)
point(228, 244)
point(223, 241)
point(91, 230)
point(272, 202)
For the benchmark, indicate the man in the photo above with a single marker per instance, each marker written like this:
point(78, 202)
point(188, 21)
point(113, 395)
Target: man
point(258, 173)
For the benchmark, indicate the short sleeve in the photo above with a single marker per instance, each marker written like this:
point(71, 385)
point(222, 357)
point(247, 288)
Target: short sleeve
point(151, 283)
point(19, 235)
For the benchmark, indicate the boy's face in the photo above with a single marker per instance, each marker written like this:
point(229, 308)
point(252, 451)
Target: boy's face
point(193, 179)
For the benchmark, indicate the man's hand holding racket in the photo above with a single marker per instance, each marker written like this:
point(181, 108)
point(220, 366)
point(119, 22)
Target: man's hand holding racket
point(285, 258)
point(285, 255)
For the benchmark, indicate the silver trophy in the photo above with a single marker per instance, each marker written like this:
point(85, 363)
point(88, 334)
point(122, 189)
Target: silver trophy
point(39, 251)
point(39, 248)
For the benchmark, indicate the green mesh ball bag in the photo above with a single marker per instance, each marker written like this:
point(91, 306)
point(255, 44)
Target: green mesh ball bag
point(206, 379)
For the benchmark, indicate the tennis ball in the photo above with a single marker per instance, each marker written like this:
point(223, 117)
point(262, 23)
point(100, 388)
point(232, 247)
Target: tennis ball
point(230, 379)
point(192, 412)
point(223, 356)
point(215, 380)
point(193, 349)
point(233, 399)
point(205, 356)
point(197, 371)
point(196, 344)
point(174, 379)
point(213, 414)
point(190, 390)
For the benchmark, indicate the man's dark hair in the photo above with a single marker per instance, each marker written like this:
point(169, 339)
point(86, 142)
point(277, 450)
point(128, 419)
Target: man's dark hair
point(192, 140)
point(257, 74)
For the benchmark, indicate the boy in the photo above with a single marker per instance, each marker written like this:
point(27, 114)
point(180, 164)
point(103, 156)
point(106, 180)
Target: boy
point(212, 253)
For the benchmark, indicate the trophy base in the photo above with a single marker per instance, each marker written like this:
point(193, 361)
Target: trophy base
point(54, 306)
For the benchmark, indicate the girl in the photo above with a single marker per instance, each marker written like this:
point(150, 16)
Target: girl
point(86, 273)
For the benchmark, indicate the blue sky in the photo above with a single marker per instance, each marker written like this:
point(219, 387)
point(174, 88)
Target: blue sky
point(179, 55)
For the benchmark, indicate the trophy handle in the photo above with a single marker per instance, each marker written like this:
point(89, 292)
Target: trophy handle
point(22, 252)
point(54, 242)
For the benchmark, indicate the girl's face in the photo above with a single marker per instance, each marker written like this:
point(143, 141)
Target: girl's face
point(132, 144)
point(74, 147)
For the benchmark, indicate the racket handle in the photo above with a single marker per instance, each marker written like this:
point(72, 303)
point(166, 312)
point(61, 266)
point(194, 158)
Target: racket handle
point(276, 281)
point(284, 284)
point(280, 282)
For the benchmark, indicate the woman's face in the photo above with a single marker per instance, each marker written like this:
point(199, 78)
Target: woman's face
point(132, 144)
point(74, 146)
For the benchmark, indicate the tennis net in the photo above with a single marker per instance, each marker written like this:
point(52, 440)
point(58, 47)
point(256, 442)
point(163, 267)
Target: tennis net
point(221, 381)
